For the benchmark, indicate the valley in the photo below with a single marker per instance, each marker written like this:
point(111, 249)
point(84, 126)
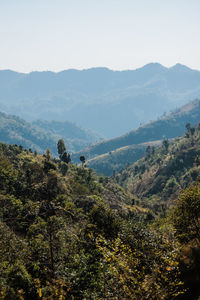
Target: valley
point(124, 220)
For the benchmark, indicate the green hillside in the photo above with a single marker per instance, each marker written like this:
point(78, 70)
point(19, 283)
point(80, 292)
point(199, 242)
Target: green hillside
point(158, 178)
point(42, 135)
point(14, 130)
point(66, 233)
point(116, 160)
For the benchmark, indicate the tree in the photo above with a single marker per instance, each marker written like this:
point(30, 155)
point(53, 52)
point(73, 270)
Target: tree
point(66, 157)
point(48, 154)
point(192, 131)
point(61, 147)
point(188, 127)
point(148, 151)
point(63, 168)
point(82, 159)
point(165, 144)
point(189, 130)
point(186, 214)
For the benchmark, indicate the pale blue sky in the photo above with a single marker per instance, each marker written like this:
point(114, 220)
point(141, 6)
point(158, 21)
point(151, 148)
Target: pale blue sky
point(119, 34)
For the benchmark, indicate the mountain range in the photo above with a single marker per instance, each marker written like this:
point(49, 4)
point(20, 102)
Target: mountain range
point(114, 154)
point(108, 102)
point(104, 156)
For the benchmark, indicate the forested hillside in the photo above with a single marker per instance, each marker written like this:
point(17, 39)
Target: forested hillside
point(68, 131)
point(89, 96)
point(67, 234)
point(163, 172)
point(168, 126)
point(116, 160)
point(42, 135)
point(14, 130)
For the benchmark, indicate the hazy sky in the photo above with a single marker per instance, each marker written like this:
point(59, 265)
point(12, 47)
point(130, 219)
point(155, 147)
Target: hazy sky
point(119, 34)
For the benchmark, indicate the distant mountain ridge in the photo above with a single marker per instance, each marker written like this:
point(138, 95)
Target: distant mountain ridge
point(42, 135)
point(108, 102)
point(68, 130)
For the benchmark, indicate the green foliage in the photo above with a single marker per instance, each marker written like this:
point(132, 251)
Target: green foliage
point(65, 157)
point(105, 220)
point(165, 144)
point(186, 214)
point(61, 147)
point(133, 271)
point(82, 159)
point(63, 167)
point(116, 160)
point(8, 175)
point(157, 179)
point(68, 234)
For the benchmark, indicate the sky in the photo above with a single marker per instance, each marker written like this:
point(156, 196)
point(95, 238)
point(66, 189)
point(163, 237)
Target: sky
point(118, 34)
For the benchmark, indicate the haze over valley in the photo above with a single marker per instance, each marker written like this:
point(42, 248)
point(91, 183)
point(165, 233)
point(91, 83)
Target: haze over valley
point(110, 103)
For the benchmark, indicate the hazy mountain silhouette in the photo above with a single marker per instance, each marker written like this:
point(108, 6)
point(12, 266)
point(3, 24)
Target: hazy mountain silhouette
point(41, 135)
point(109, 102)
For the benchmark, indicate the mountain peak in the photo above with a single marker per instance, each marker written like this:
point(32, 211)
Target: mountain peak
point(180, 67)
point(153, 66)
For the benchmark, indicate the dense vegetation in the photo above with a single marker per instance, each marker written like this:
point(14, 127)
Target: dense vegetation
point(41, 135)
point(68, 234)
point(119, 98)
point(169, 126)
point(114, 161)
point(163, 172)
